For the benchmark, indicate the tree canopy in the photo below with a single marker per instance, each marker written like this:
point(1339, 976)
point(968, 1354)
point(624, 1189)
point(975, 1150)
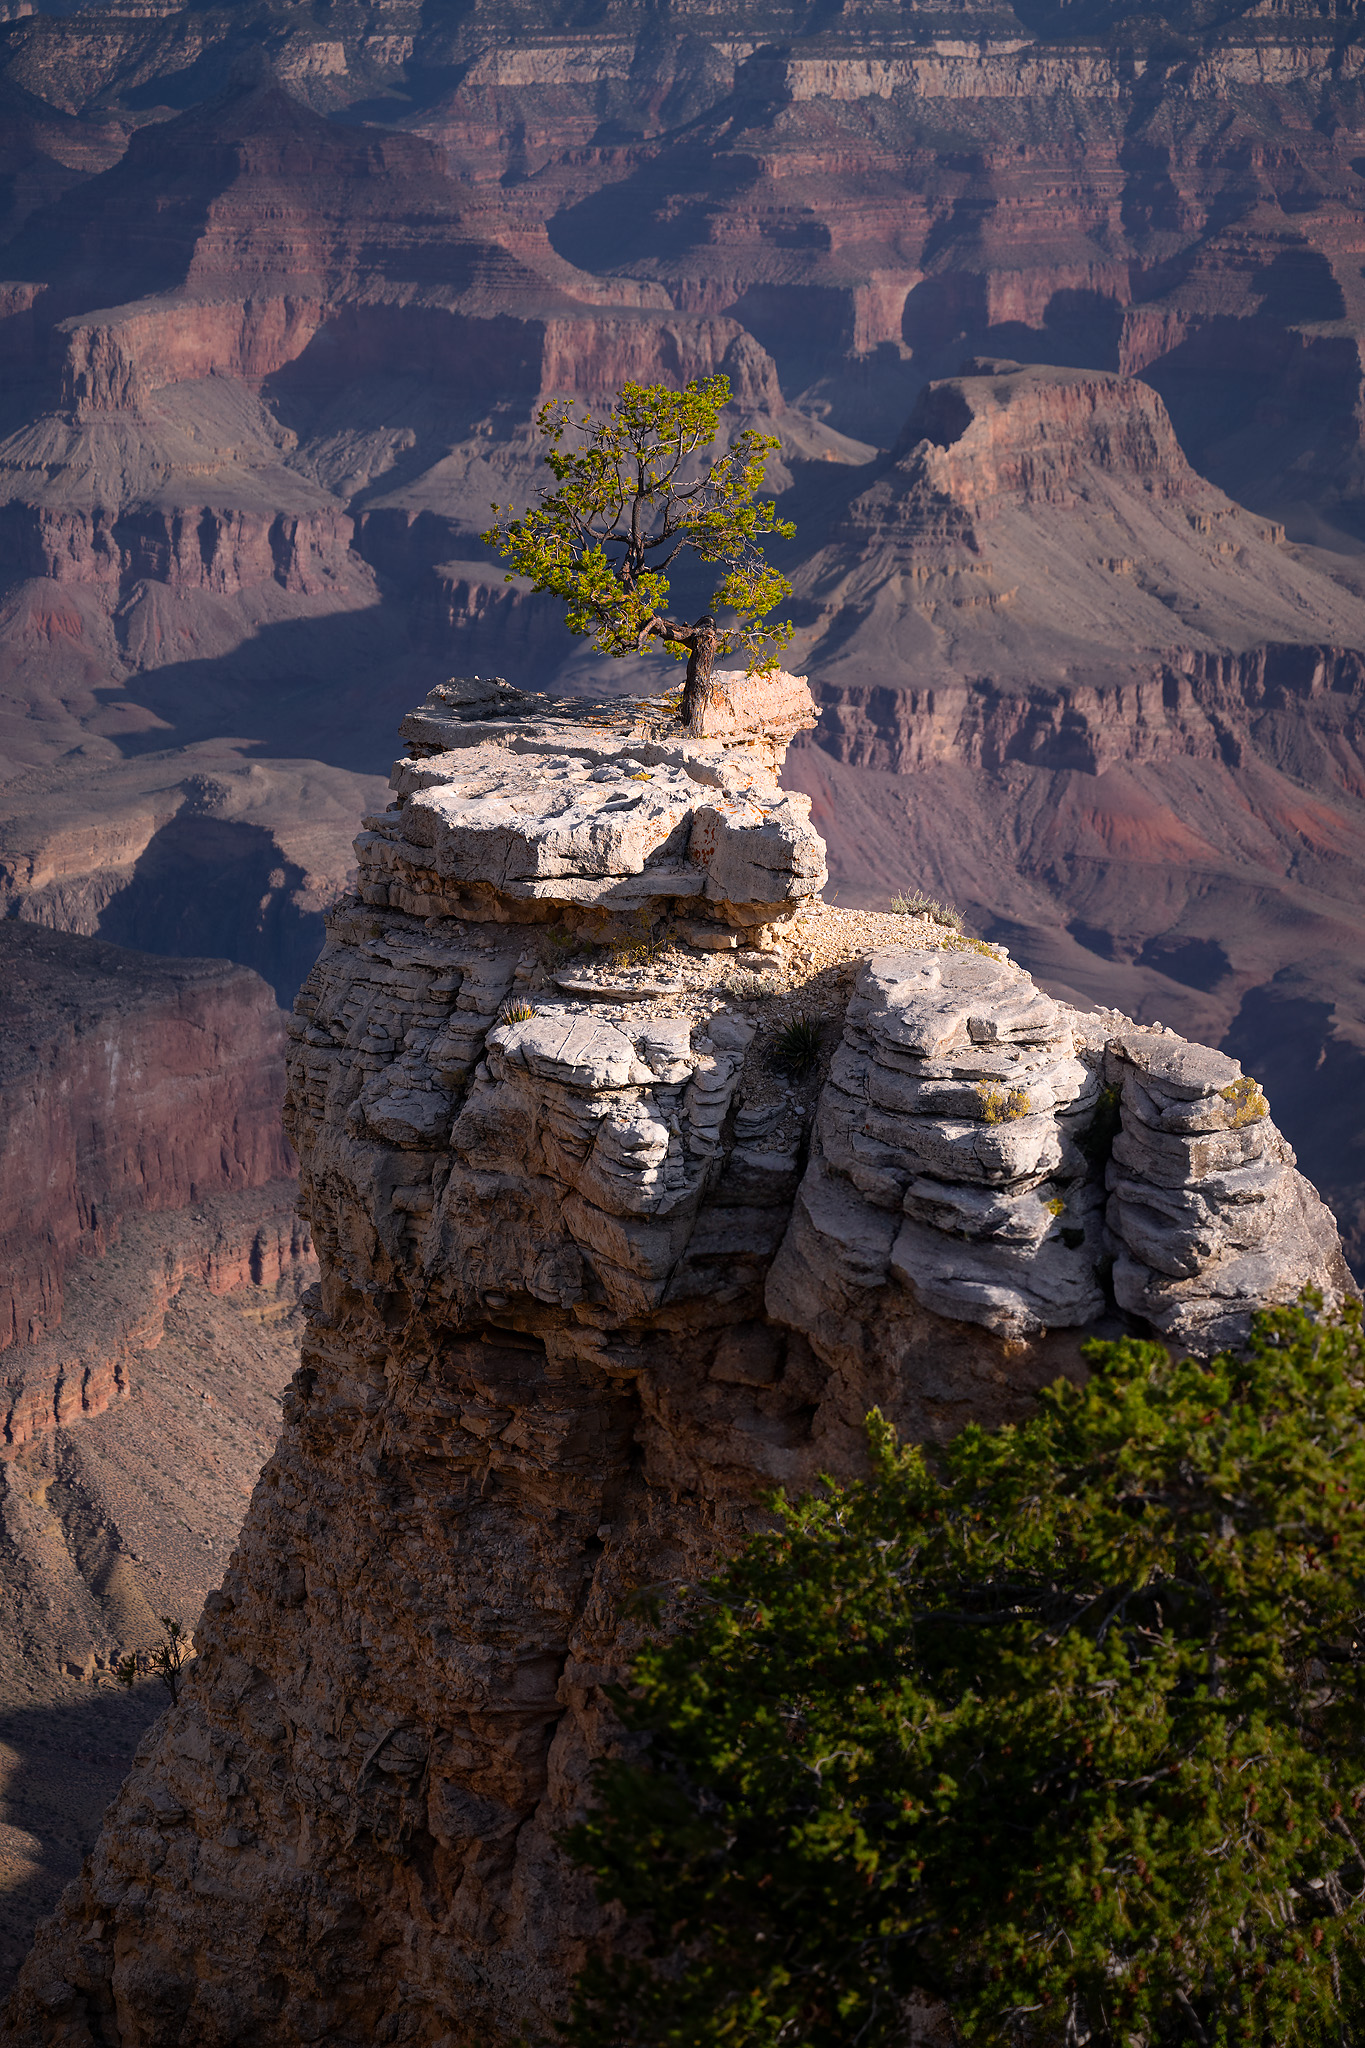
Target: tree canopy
point(1059, 1728)
point(636, 490)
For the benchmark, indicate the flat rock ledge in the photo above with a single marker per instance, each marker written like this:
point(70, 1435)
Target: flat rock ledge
point(518, 808)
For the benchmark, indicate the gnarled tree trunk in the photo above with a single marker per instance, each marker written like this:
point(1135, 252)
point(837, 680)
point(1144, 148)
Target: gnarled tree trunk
point(698, 690)
point(701, 641)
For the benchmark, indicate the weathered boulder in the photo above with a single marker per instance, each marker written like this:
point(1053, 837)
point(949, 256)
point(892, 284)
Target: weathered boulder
point(1032, 1153)
point(1209, 1218)
point(521, 808)
point(955, 1101)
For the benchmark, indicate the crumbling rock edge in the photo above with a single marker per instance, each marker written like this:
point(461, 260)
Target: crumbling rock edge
point(592, 1279)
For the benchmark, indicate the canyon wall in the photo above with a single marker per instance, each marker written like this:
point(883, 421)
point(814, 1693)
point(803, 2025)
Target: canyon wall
point(1133, 745)
point(596, 1271)
point(130, 1085)
point(152, 1260)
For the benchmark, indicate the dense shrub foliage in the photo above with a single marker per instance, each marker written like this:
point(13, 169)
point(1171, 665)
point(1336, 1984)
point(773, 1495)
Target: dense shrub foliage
point(1060, 1726)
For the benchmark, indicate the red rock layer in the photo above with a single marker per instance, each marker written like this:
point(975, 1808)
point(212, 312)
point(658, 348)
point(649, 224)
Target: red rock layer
point(111, 1516)
point(129, 1084)
point(251, 1240)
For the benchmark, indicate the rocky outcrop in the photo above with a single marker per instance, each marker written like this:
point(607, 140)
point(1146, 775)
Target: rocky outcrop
point(1134, 720)
point(1007, 1161)
point(596, 1270)
point(1037, 524)
point(516, 808)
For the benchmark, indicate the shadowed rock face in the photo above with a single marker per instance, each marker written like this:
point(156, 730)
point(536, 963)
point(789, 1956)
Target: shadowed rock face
point(594, 1277)
point(152, 1260)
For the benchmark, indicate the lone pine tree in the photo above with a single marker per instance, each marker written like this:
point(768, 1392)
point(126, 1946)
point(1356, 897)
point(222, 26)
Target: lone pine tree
point(634, 492)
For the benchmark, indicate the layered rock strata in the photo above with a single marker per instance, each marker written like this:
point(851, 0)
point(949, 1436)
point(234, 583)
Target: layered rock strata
point(143, 1157)
point(152, 1262)
point(1011, 1162)
point(595, 1273)
point(148, 1416)
point(520, 808)
point(1072, 688)
point(243, 469)
point(129, 1085)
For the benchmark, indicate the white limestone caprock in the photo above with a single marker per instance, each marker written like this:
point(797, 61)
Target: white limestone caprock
point(519, 808)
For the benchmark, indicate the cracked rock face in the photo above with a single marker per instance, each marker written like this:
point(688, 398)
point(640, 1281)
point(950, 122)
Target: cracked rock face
point(996, 1157)
point(1207, 1215)
point(954, 1104)
point(523, 809)
point(593, 1280)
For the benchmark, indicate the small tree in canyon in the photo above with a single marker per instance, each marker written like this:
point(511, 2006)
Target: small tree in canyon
point(168, 1659)
point(1058, 1729)
point(634, 492)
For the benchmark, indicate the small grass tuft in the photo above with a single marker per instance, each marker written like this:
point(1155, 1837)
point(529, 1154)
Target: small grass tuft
point(516, 1010)
point(639, 947)
point(959, 942)
point(917, 904)
point(748, 987)
point(1002, 1105)
point(797, 1047)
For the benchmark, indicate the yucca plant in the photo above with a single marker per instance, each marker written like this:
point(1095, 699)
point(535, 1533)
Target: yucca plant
point(797, 1047)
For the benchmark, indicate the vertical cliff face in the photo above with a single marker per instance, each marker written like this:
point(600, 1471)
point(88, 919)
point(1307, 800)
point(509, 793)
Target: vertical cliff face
point(152, 1259)
point(595, 1272)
